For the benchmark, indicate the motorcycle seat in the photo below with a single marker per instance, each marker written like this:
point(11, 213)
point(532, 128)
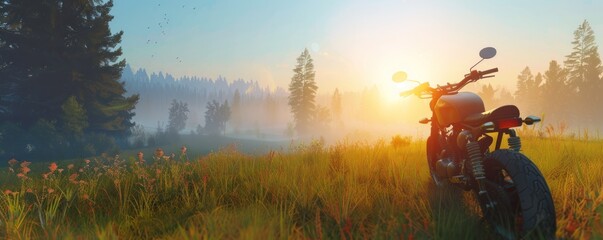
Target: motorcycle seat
point(503, 112)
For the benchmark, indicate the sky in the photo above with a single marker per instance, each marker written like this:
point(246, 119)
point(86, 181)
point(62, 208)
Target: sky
point(354, 44)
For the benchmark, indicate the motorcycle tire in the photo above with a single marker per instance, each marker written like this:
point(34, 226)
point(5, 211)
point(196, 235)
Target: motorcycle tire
point(523, 203)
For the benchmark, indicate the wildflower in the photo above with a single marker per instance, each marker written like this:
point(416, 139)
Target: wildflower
point(73, 177)
point(158, 171)
point(12, 162)
point(81, 170)
point(183, 150)
point(25, 164)
point(50, 190)
point(10, 169)
point(45, 175)
point(140, 157)
point(29, 190)
point(25, 170)
point(159, 153)
point(87, 161)
point(60, 170)
point(85, 196)
point(21, 175)
point(70, 166)
point(7, 191)
point(53, 167)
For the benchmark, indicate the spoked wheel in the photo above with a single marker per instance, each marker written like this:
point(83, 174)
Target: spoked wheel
point(433, 149)
point(522, 203)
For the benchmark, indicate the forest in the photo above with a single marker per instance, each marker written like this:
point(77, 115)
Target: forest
point(68, 92)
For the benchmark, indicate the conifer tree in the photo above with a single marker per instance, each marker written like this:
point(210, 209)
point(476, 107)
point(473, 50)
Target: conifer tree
point(74, 119)
point(52, 50)
point(584, 72)
point(303, 92)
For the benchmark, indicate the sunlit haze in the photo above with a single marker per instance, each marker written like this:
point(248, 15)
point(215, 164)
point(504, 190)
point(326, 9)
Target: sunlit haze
point(355, 44)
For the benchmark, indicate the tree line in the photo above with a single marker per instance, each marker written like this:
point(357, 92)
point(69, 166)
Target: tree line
point(569, 92)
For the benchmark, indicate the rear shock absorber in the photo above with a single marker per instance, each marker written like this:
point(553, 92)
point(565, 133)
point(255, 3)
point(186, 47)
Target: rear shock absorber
point(479, 172)
point(514, 141)
point(475, 156)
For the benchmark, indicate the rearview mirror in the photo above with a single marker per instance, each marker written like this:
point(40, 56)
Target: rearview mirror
point(487, 53)
point(399, 77)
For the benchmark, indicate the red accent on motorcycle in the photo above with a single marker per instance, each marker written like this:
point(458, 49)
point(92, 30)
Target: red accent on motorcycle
point(509, 123)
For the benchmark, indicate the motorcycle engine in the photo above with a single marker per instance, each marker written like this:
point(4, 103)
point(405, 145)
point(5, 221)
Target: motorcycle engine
point(446, 168)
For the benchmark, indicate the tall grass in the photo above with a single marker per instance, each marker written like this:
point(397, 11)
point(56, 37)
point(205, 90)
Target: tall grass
point(348, 190)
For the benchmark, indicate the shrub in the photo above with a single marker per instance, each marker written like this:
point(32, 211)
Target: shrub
point(398, 141)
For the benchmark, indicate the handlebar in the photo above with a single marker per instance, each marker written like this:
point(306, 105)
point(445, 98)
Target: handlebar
point(424, 88)
point(493, 70)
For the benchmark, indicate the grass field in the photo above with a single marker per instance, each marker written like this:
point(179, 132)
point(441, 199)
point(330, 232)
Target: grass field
point(348, 190)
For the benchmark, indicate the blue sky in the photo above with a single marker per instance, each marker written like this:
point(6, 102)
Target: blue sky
point(354, 44)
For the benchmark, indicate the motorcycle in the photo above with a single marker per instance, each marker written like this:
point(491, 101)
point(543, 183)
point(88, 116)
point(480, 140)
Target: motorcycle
point(514, 197)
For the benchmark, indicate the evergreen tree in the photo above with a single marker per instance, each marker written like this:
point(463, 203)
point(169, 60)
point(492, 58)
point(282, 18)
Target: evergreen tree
point(487, 93)
point(236, 109)
point(302, 92)
point(556, 93)
point(52, 50)
point(74, 117)
point(216, 117)
point(584, 71)
point(178, 116)
point(528, 90)
point(223, 116)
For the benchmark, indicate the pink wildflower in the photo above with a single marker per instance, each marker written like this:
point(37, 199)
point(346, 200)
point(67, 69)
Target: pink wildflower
point(73, 177)
point(183, 150)
point(12, 162)
point(25, 164)
point(53, 166)
point(159, 152)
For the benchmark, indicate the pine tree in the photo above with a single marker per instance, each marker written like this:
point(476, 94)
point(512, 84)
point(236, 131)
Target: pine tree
point(303, 92)
point(236, 110)
point(487, 93)
point(74, 117)
point(178, 116)
point(216, 117)
point(52, 50)
point(528, 90)
point(556, 92)
point(584, 71)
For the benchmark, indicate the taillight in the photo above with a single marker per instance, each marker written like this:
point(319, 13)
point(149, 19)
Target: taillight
point(508, 123)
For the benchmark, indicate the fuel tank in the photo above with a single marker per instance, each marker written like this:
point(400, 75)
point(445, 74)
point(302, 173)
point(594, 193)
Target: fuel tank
point(454, 108)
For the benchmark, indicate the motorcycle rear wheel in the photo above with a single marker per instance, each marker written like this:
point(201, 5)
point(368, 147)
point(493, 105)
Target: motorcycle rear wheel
point(523, 203)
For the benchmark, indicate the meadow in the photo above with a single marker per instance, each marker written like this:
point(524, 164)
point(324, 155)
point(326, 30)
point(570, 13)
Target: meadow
point(349, 190)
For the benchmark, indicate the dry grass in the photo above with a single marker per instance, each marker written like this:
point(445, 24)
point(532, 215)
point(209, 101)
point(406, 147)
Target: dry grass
point(349, 190)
